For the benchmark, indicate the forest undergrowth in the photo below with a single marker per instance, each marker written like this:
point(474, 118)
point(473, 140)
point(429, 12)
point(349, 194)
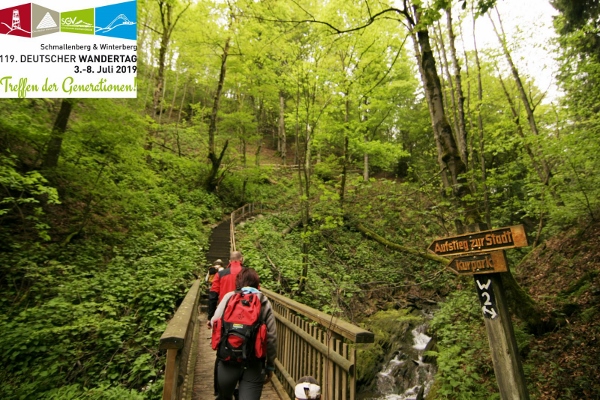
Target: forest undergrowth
point(367, 283)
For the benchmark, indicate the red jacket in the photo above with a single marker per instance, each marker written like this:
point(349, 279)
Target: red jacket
point(223, 283)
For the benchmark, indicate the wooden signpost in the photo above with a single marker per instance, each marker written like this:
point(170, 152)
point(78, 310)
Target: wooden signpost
point(495, 239)
point(481, 254)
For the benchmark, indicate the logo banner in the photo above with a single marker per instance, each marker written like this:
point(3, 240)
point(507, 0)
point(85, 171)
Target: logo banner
point(68, 49)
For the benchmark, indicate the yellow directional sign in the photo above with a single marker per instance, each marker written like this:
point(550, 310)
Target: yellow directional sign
point(481, 263)
point(476, 242)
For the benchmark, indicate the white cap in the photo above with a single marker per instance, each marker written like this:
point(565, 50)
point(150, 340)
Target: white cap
point(307, 391)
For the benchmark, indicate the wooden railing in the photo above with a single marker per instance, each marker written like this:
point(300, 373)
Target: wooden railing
point(178, 340)
point(310, 342)
point(240, 214)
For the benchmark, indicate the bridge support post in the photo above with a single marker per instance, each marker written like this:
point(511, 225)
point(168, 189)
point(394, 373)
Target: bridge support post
point(169, 388)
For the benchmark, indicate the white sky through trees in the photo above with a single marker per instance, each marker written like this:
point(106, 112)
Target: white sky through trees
point(530, 32)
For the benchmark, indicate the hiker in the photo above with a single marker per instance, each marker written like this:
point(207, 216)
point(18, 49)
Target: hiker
point(212, 271)
point(254, 372)
point(223, 283)
point(307, 388)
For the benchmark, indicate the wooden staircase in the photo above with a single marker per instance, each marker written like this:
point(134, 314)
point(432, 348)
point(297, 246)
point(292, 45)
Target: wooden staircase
point(219, 245)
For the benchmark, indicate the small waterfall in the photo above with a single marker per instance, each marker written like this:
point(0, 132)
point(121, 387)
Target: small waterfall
point(406, 376)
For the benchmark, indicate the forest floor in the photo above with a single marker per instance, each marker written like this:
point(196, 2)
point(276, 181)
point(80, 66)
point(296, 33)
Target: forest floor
point(563, 276)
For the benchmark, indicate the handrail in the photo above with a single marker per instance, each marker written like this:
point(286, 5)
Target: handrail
point(339, 326)
point(241, 213)
point(177, 339)
point(311, 342)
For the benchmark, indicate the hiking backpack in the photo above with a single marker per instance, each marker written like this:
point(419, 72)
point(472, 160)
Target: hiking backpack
point(240, 335)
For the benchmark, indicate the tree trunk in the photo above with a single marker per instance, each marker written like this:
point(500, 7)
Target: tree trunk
point(366, 164)
point(162, 54)
point(179, 118)
point(346, 152)
point(259, 119)
point(486, 201)
point(525, 100)
point(162, 102)
point(445, 70)
point(212, 126)
point(519, 128)
point(56, 137)
point(174, 95)
point(443, 132)
point(167, 24)
point(364, 117)
point(282, 142)
point(257, 153)
point(211, 182)
point(213, 177)
point(442, 165)
point(461, 134)
point(244, 158)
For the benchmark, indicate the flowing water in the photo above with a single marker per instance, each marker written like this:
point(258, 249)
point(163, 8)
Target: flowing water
point(406, 376)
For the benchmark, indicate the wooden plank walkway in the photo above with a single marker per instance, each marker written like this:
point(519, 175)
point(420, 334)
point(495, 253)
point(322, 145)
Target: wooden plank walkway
point(205, 361)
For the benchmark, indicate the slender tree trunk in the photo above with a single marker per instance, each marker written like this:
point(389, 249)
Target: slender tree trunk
point(168, 23)
point(174, 94)
point(445, 68)
point(150, 80)
point(486, 200)
point(244, 155)
point(346, 153)
point(529, 109)
point(302, 195)
point(179, 117)
point(259, 120)
point(282, 142)
point(461, 134)
point(211, 181)
point(519, 128)
point(212, 126)
point(257, 153)
point(162, 54)
point(162, 102)
point(56, 136)
point(366, 164)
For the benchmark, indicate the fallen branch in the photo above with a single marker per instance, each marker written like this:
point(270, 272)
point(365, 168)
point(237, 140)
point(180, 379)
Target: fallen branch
point(290, 228)
point(398, 247)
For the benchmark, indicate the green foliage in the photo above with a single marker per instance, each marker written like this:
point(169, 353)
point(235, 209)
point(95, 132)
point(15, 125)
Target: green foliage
point(83, 311)
point(22, 195)
point(92, 321)
point(464, 365)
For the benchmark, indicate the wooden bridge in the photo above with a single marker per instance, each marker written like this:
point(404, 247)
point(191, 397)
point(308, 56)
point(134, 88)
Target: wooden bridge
point(309, 342)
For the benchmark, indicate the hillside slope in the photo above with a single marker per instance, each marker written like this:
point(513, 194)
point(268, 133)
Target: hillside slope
point(563, 276)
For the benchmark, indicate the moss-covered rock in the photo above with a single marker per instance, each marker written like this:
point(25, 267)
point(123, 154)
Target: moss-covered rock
point(390, 327)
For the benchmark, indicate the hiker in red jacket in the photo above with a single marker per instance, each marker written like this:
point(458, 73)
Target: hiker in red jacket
point(224, 282)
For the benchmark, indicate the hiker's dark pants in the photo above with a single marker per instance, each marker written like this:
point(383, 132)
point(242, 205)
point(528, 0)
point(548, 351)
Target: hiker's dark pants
point(215, 379)
point(251, 380)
